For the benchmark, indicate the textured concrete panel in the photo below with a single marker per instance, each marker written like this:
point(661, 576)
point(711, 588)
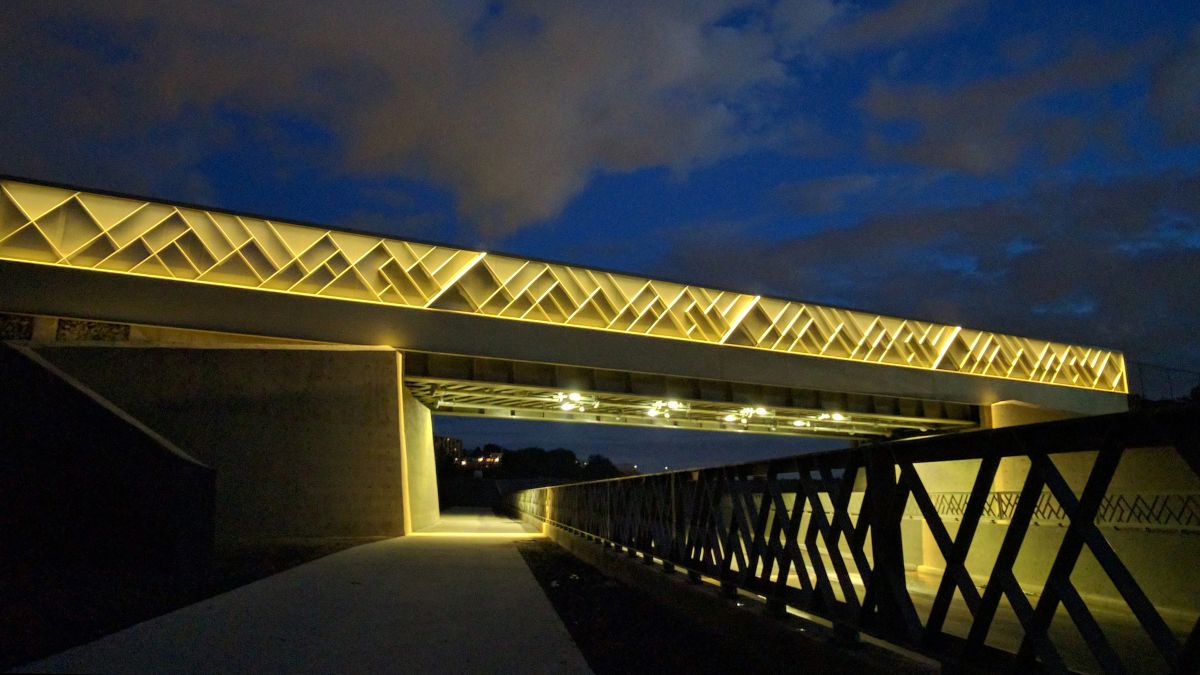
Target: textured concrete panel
point(305, 442)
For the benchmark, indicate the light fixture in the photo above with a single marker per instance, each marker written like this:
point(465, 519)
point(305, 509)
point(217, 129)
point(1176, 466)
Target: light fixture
point(744, 415)
point(800, 423)
point(839, 417)
point(665, 408)
point(575, 400)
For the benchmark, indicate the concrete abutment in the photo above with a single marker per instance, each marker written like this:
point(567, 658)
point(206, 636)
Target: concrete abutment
point(305, 442)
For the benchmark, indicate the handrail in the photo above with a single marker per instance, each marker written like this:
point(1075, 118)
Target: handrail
point(828, 533)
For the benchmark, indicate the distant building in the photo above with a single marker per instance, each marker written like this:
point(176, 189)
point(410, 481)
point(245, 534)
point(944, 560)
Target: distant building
point(448, 446)
point(479, 463)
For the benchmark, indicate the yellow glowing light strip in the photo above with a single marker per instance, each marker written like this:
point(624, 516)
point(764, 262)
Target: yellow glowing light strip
point(479, 535)
point(68, 228)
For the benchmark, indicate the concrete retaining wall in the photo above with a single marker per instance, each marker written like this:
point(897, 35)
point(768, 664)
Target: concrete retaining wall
point(86, 487)
point(306, 442)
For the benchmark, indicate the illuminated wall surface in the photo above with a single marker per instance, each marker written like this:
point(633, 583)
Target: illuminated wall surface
point(63, 227)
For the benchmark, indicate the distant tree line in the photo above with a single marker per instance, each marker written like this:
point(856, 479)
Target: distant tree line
point(1137, 401)
point(559, 463)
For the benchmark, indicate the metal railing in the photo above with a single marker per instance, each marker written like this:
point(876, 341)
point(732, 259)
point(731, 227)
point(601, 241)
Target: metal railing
point(1036, 554)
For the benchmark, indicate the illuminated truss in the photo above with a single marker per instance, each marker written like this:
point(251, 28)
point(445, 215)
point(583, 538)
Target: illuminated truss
point(83, 230)
point(490, 399)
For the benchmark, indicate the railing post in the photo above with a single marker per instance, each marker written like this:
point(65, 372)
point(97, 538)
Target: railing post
point(674, 526)
point(608, 511)
point(895, 610)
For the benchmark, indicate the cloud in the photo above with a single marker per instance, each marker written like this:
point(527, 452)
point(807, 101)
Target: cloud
point(988, 126)
point(820, 196)
point(1175, 93)
point(857, 194)
point(1112, 264)
point(800, 22)
point(513, 106)
point(897, 23)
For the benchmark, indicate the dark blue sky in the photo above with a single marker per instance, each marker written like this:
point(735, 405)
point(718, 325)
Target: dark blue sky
point(1032, 167)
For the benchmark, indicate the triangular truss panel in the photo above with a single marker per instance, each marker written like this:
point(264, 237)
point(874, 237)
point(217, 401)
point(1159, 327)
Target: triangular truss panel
point(52, 225)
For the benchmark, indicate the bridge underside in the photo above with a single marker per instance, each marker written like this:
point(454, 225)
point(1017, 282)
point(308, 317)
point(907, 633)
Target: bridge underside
point(506, 389)
point(495, 388)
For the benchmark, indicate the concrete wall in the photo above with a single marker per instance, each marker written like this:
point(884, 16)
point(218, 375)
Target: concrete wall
point(420, 464)
point(305, 442)
point(86, 487)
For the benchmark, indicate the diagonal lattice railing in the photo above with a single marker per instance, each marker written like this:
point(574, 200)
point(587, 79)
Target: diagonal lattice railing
point(1048, 574)
point(77, 229)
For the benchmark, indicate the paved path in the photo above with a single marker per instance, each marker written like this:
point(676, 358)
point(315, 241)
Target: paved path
point(443, 601)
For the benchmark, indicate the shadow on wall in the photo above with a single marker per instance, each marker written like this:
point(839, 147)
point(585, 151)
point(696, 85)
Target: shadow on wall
point(97, 507)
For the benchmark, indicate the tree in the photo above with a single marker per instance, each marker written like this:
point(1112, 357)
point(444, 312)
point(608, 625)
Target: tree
point(598, 467)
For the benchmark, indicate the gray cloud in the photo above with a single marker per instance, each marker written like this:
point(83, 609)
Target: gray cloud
point(988, 126)
point(871, 193)
point(825, 195)
point(1175, 93)
point(800, 23)
point(514, 111)
point(512, 108)
point(1113, 264)
point(897, 23)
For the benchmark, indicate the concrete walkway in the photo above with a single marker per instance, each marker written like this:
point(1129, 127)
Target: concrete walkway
point(457, 598)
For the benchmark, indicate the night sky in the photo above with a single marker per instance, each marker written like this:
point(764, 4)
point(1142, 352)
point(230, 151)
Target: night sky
point(1027, 167)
